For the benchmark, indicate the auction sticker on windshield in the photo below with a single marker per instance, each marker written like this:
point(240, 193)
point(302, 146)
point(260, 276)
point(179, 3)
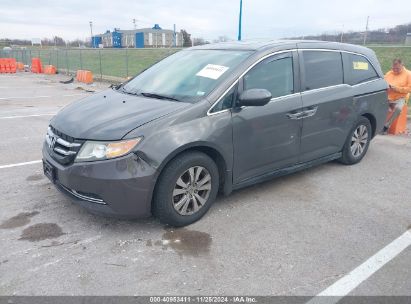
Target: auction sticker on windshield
point(212, 71)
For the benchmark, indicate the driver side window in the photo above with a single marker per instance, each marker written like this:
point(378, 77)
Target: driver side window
point(274, 75)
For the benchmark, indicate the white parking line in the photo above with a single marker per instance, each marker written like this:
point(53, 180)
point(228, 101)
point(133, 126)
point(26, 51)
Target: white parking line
point(349, 282)
point(42, 96)
point(20, 164)
point(23, 116)
point(12, 87)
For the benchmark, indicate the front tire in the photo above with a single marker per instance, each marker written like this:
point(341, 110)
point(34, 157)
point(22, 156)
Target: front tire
point(186, 189)
point(357, 142)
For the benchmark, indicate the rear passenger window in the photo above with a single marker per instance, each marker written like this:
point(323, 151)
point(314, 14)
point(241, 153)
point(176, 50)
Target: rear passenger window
point(322, 69)
point(357, 69)
point(274, 75)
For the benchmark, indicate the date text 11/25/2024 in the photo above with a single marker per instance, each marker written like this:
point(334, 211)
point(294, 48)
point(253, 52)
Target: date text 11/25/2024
point(205, 299)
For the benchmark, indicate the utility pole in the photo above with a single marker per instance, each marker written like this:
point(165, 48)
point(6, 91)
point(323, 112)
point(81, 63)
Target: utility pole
point(91, 32)
point(174, 37)
point(366, 30)
point(240, 20)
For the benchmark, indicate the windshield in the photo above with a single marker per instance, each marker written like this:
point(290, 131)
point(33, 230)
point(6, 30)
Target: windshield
point(185, 76)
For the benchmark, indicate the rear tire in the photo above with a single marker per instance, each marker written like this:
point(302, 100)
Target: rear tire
point(186, 189)
point(357, 142)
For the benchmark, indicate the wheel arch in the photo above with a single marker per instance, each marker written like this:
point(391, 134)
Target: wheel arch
point(371, 118)
point(210, 150)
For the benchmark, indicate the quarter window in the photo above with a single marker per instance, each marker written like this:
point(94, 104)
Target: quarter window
point(274, 75)
point(357, 69)
point(322, 69)
point(226, 102)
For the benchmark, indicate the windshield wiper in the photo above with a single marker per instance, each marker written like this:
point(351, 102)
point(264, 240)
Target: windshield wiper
point(158, 96)
point(124, 91)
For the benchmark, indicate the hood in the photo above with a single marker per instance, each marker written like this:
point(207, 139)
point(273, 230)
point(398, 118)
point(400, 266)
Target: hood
point(110, 115)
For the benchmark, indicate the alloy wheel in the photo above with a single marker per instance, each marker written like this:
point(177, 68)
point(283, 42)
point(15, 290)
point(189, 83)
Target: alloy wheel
point(359, 141)
point(192, 190)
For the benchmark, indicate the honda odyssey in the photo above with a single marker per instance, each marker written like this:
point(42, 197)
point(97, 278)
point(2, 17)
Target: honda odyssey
point(215, 118)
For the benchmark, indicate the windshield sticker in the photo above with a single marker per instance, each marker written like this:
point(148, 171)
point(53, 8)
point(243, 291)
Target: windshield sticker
point(360, 65)
point(212, 71)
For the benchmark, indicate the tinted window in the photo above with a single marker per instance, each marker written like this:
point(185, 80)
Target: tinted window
point(226, 102)
point(322, 69)
point(274, 75)
point(357, 69)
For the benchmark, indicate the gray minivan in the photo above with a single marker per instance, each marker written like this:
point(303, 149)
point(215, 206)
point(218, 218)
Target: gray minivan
point(215, 118)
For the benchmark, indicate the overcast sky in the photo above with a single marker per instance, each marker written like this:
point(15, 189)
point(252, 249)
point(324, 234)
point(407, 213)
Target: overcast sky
point(202, 18)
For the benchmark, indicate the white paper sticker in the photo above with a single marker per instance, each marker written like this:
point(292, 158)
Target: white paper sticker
point(212, 71)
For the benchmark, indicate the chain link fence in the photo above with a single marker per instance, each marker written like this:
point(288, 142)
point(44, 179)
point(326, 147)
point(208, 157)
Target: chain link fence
point(115, 65)
point(106, 64)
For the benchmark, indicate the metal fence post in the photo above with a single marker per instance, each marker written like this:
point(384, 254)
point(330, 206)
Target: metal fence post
point(101, 72)
point(57, 58)
point(67, 64)
point(81, 61)
point(126, 62)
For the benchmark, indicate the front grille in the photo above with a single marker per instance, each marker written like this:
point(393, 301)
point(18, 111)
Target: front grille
point(63, 148)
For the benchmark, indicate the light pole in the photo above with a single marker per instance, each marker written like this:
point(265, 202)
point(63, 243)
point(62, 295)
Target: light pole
point(240, 20)
point(91, 32)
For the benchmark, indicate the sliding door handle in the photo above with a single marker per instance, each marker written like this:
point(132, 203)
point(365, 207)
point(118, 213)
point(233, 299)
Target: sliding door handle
point(310, 112)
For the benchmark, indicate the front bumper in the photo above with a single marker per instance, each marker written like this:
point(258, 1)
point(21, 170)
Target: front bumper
point(120, 187)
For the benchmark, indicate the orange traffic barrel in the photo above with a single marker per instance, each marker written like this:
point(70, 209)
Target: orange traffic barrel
point(78, 75)
point(84, 76)
point(20, 66)
point(12, 65)
point(50, 69)
point(88, 77)
point(2, 65)
point(36, 66)
point(399, 125)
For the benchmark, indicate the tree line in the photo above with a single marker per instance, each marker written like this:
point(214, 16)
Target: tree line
point(395, 35)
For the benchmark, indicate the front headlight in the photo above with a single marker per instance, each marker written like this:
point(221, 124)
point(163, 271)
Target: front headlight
point(99, 150)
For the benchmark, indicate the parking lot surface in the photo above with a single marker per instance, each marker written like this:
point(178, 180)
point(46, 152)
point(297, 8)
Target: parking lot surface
point(295, 235)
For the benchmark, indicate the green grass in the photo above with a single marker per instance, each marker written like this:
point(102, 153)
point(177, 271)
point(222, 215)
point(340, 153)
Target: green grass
point(123, 63)
point(387, 54)
point(118, 63)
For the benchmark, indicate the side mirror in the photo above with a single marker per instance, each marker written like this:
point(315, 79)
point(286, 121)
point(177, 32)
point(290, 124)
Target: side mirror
point(254, 98)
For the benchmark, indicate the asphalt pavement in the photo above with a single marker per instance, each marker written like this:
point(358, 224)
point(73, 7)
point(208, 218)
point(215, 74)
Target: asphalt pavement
point(295, 235)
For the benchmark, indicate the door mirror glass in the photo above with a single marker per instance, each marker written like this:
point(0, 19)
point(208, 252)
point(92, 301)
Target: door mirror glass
point(254, 98)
